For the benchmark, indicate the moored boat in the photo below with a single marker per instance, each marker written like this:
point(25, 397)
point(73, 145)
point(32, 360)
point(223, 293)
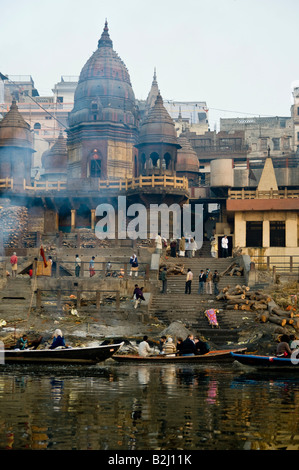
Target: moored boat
point(266, 362)
point(221, 355)
point(87, 355)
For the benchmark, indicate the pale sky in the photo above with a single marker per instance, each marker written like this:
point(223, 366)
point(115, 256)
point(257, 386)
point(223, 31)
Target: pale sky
point(240, 56)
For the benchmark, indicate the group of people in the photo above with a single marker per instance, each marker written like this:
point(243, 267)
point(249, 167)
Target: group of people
point(189, 347)
point(205, 282)
point(58, 340)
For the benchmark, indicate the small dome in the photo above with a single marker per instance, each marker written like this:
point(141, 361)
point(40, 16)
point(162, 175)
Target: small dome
point(187, 159)
point(54, 160)
point(158, 126)
point(14, 130)
point(104, 91)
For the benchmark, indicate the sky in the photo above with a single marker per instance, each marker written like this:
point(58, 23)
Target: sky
point(239, 56)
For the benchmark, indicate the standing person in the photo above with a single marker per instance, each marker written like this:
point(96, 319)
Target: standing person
point(77, 266)
point(134, 265)
point(164, 281)
point(182, 246)
point(202, 280)
point(158, 241)
point(92, 267)
point(144, 348)
point(216, 279)
point(188, 247)
point(224, 246)
point(209, 278)
point(173, 248)
point(189, 279)
point(193, 247)
point(14, 264)
point(214, 247)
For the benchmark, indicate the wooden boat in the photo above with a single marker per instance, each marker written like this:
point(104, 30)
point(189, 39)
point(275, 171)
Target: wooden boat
point(266, 362)
point(221, 355)
point(88, 355)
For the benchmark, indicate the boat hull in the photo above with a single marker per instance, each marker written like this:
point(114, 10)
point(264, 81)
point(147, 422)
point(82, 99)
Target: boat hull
point(266, 362)
point(212, 356)
point(88, 355)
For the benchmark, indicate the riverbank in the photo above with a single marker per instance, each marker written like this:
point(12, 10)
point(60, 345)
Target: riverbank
point(93, 326)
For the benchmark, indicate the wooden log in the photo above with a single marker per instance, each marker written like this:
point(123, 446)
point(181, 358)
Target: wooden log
point(264, 317)
point(235, 297)
point(258, 306)
point(280, 312)
point(277, 320)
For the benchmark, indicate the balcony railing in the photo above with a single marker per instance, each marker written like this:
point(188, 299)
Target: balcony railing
point(256, 194)
point(153, 181)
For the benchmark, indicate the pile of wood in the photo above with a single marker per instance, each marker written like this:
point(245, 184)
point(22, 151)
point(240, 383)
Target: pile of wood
point(89, 240)
point(233, 269)
point(14, 224)
point(266, 309)
point(173, 269)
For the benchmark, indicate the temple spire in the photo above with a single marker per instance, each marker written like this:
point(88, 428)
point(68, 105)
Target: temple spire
point(105, 38)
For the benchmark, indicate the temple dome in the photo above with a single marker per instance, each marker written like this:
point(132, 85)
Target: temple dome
point(14, 130)
point(158, 126)
point(104, 91)
point(54, 160)
point(187, 159)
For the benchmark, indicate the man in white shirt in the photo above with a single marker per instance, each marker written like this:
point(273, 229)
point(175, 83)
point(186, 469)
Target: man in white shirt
point(144, 348)
point(158, 241)
point(224, 246)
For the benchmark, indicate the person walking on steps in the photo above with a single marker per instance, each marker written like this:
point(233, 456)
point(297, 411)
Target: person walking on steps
point(202, 280)
point(189, 279)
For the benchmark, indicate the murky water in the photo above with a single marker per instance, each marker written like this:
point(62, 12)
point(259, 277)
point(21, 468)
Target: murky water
point(164, 407)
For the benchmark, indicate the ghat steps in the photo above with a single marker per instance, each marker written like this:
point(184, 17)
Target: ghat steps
point(190, 308)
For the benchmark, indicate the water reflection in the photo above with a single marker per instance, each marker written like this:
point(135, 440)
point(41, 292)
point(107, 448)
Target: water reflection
point(165, 407)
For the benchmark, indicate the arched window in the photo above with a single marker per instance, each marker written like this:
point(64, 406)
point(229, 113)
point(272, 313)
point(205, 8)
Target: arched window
point(95, 165)
point(37, 126)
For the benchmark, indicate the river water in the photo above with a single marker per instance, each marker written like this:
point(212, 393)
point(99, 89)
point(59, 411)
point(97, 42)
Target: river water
point(135, 408)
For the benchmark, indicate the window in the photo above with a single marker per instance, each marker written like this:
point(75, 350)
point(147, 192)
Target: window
point(277, 233)
point(254, 234)
point(263, 144)
point(95, 168)
point(276, 144)
point(37, 125)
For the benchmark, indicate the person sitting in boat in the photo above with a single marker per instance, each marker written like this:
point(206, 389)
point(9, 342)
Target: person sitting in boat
point(201, 346)
point(188, 346)
point(169, 348)
point(144, 348)
point(179, 346)
point(283, 349)
point(58, 340)
point(22, 342)
point(162, 342)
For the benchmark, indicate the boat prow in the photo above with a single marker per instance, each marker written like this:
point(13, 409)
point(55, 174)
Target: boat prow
point(266, 362)
point(87, 355)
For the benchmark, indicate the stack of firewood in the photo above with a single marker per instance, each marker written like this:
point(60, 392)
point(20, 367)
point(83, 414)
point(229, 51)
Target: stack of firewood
point(242, 298)
point(173, 269)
